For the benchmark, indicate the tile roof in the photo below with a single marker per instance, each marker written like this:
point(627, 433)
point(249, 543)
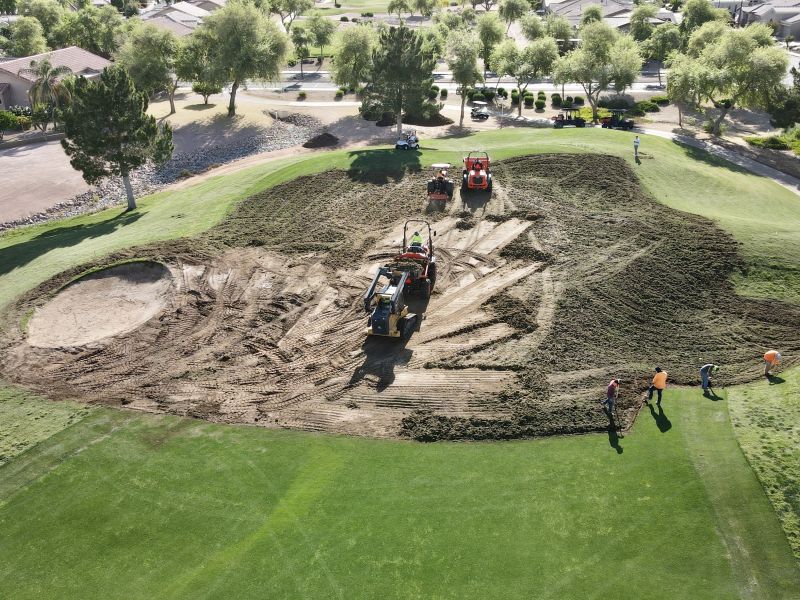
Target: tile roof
point(77, 59)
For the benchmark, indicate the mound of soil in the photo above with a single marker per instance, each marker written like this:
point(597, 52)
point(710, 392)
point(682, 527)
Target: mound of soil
point(101, 305)
point(582, 277)
point(323, 140)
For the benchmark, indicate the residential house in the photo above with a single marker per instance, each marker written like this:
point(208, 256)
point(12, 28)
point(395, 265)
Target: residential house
point(14, 85)
point(783, 15)
point(616, 13)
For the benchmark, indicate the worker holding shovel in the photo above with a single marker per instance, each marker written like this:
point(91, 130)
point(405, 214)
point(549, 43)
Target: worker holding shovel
point(612, 393)
point(705, 376)
point(772, 359)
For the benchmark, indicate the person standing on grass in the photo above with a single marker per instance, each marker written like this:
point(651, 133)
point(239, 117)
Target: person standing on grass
point(772, 358)
point(612, 393)
point(658, 385)
point(636, 147)
point(705, 375)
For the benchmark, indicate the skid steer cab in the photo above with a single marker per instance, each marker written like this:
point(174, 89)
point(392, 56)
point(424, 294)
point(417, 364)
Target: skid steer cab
point(477, 173)
point(411, 275)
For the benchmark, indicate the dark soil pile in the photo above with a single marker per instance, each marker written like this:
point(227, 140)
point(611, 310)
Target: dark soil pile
point(323, 140)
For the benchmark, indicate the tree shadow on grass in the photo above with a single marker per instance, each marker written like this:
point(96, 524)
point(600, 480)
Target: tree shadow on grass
point(18, 255)
point(706, 156)
point(384, 166)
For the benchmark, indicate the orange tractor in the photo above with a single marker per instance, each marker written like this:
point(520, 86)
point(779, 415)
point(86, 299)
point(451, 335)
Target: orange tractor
point(477, 174)
point(440, 186)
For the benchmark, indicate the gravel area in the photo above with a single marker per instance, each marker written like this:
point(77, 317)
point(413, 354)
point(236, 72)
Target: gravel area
point(290, 130)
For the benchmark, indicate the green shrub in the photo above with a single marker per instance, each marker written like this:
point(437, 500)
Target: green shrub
point(616, 101)
point(501, 91)
point(489, 94)
point(344, 19)
point(20, 111)
point(540, 104)
point(7, 121)
point(301, 96)
point(660, 100)
point(443, 94)
point(578, 100)
point(478, 96)
point(541, 95)
point(367, 14)
point(568, 100)
point(338, 95)
point(435, 87)
point(773, 142)
point(556, 102)
point(433, 94)
point(514, 100)
point(471, 93)
point(647, 106)
point(343, 90)
point(528, 101)
point(24, 122)
point(586, 113)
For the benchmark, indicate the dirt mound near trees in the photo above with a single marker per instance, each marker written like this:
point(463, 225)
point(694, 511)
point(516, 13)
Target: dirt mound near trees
point(530, 318)
point(101, 305)
point(323, 140)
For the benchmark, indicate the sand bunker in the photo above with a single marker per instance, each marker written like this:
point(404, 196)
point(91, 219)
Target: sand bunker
point(101, 305)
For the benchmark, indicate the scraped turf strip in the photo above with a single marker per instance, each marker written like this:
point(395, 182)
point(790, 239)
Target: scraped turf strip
point(631, 284)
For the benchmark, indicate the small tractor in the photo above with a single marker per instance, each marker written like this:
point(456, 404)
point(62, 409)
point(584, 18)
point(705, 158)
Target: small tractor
point(408, 141)
point(617, 120)
point(411, 272)
point(568, 117)
point(477, 174)
point(440, 186)
point(480, 111)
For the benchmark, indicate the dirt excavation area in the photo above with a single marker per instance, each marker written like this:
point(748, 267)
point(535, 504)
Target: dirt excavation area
point(568, 274)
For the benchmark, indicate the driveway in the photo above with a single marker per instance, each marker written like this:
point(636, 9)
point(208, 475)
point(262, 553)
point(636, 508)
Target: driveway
point(34, 178)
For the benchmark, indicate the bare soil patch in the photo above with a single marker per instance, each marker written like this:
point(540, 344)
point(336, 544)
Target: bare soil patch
point(569, 274)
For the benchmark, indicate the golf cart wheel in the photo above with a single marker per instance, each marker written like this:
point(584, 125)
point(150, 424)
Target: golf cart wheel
point(397, 146)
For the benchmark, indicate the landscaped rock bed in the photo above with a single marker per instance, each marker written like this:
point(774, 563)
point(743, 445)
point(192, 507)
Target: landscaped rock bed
point(288, 131)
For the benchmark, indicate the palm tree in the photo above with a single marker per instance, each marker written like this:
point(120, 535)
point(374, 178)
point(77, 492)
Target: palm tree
point(48, 92)
point(48, 88)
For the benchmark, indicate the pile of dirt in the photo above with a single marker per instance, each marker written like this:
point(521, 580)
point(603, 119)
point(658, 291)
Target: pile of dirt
point(582, 277)
point(323, 140)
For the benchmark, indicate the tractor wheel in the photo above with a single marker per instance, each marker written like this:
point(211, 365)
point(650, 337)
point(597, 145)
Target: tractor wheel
point(431, 186)
point(407, 327)
point(432, 274)
point(425, 288)
point(489, 187)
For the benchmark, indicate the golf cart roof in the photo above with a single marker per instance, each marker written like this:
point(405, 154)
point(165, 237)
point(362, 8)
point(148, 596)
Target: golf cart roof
point(479, 103)
point(440, 166)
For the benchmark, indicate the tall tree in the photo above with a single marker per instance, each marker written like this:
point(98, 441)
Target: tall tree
point(8, 7)
point(664, 40)
point(289, 10)
point(48, 12)
point(605, 59)
point(193, 63)
point(462, 60)
point(399, 7)
point(321, 30)
point(641, 27)
point(560, 29)
point(243, 43)
point(27, 37)
point(353, 48)
point(401, 74)
point(785, 105)
point(149, 57)
point(300, 41)
point(425, 7)
point(108, 131)
point(682, 82)
point(742, 68)
point(704, 35)
point(512, 10)
point(490, 33)
point(525, 64)
point(99, 31)
point(697, 12)
point(592, 13)
point(533, 27)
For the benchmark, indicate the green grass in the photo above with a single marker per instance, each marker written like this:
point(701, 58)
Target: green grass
point(120, 505)
point(27, 421)
point(766, 417)
point(761, 214)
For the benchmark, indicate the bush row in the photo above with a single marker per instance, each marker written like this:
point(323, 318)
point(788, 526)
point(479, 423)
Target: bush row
point(11, 121)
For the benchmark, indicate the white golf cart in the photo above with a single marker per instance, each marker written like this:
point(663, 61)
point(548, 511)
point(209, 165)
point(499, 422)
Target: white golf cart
point(480, 110)
point(409, 141)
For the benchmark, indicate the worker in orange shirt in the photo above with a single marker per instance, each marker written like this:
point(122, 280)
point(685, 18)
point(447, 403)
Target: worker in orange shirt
point(772, 358)
point(658, 385)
